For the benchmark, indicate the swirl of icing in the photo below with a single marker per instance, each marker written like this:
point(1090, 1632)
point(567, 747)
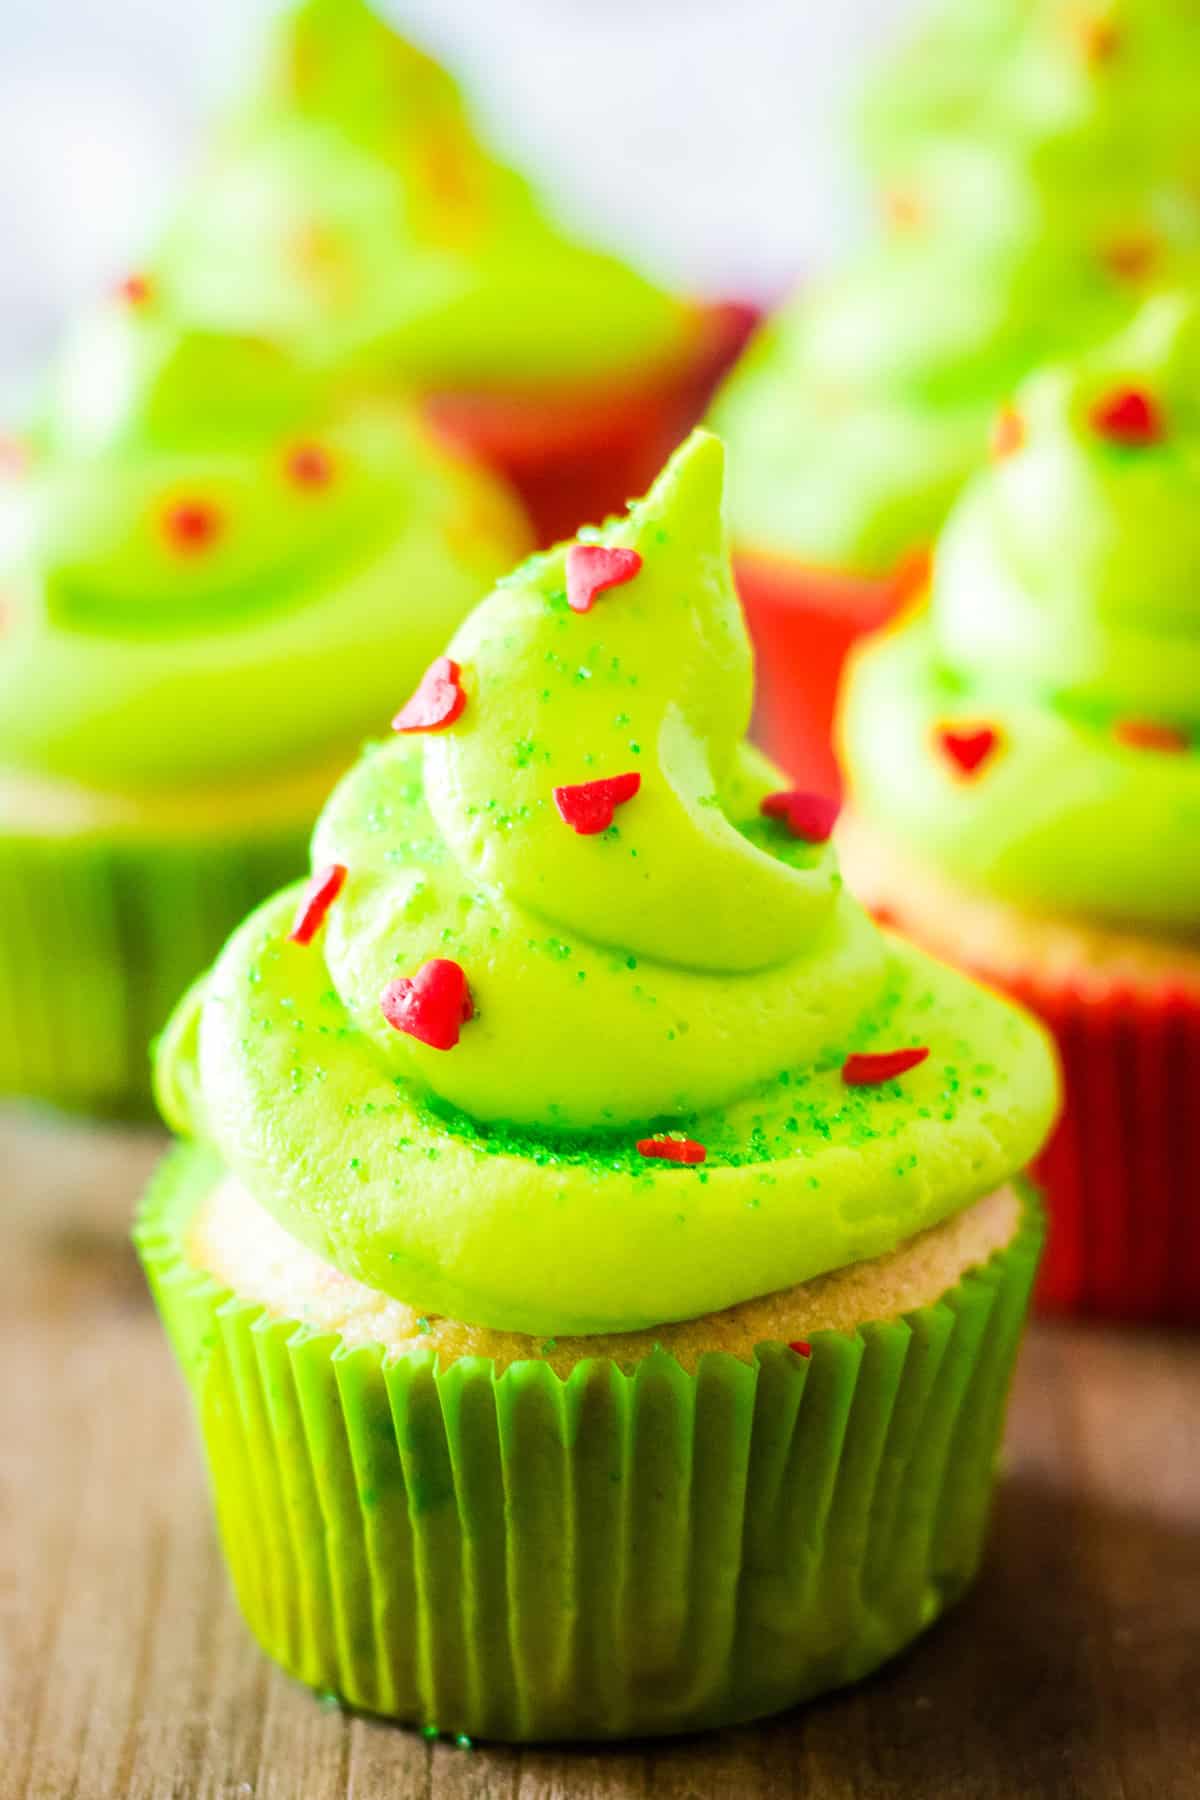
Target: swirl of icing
point(1018, 238)
point(1064, 625)
point(350, 209)
point(612, 962)
point(202, 513)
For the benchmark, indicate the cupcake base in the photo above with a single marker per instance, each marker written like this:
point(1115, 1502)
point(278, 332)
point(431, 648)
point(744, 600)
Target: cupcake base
point(619, 1552)
point(1121, 1174)
point(101, 936)
point(804, 623)
point(579, 455)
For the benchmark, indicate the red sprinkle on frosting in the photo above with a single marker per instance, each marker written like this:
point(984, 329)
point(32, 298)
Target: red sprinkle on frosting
point(1149, 734)
point(1133, 258)
point(593, 568)
point(669, 1149)
point(319, 895)
point(192, 526)
point(309, 466)
point(808, 816)
point(1008, 435)
point(432, 1005)
point(588, 808)
point(868, 1069)
point(1128, 416)
point(14, 458)
point(969, 748)
point(437, 702)
point(801, 1346)
point(136, 290)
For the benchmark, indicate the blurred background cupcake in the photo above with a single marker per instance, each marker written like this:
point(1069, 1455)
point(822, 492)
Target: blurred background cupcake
point(217, 575)
point(1023, 759)
point(1041, 182)
point(350, 207)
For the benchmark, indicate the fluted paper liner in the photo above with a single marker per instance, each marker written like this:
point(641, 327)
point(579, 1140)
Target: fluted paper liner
point(622, 1552)
point(100, 937)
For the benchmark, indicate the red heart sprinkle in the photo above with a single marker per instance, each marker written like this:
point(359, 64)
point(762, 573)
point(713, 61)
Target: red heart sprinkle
point(1100, 39)
point(668, 1149)
point(592, 569)
point(309, 466)
point(437, 702)
point(802, 1347)
point(318, 896)
point(808, 816)
point(192, 526)
point(868, 1069)
point(1132, 258)
point(431, 1005)
point(14, 458)
point(1128, 416)
point(1148, 734)
point(968, 749)
point(589, 807)
point(1008, 434)
point(136, 290)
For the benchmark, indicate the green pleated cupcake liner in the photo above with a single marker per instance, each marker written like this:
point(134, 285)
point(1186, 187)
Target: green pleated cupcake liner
point(99, 937)
point(622, 1552)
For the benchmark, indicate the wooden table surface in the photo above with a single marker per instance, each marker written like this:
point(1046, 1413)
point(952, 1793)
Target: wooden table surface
point(1073, 1670)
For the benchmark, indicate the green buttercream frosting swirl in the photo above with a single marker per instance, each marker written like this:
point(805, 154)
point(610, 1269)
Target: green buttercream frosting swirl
point(350, 208)
point(1064, 617)
point(693, 968)
point(1030, 228)
point(216, 567)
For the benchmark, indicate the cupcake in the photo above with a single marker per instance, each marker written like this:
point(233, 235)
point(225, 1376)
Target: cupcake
point(213, 574)
point(600, 1252)
point(862, 409)
point(1024, 764)
point(350, 209)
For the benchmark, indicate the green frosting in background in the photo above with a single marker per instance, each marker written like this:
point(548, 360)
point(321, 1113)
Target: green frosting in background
point(1034, 229)
point(692, 968)
point(349, 208)
point(1065, 608)
point(216, 568)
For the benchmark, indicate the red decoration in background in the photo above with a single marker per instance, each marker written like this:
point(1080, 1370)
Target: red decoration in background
point(192, 526)
point(1128, 416)
point(309, 466)
point(1008, 435)
point(808, 816)
point(318, 896)
point(802, 1347)
point(588, 808)
point(867, 1069)
point(1133, 258)
point(593, 568)
point(431, 1005)
point(668, 1149)
point(136, 290)
point(1148, 734)
point(437, 702)
point(967, 747)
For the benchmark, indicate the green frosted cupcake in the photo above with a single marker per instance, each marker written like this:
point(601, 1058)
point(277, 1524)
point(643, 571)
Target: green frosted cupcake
point(211, 572)
point(600, 1253)
point(350, 205)
point(1030, 228)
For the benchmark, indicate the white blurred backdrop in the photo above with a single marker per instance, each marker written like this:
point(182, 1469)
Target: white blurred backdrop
point(703, 136)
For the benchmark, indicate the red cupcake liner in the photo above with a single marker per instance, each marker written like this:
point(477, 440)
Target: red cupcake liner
point(1121, 1174)
point(579, 454)
point(804, 623)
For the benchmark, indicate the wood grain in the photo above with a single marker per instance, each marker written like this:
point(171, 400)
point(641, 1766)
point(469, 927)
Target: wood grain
point(125, 1673)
